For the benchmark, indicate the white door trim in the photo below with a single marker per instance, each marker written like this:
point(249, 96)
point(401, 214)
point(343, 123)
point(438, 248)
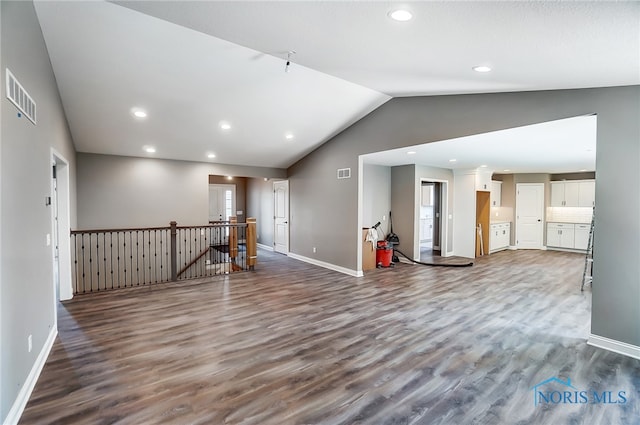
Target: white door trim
point(444, 214)
point(64, 228)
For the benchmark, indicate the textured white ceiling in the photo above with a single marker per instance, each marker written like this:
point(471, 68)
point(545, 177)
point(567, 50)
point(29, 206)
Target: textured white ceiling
point(193, 64)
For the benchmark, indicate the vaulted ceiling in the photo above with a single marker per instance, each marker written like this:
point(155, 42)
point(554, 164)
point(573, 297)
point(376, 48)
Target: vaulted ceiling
point(195, 66)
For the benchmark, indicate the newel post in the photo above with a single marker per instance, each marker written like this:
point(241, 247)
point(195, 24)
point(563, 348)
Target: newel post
point(174, 257)
point(252, 243)
point(233, 238)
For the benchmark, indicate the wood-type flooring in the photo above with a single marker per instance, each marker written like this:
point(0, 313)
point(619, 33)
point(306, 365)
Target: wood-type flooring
point(293, 343)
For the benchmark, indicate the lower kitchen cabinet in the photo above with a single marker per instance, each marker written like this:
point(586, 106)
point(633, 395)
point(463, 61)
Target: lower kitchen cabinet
point(568, 235)
point(581, 236)
point(499, 236)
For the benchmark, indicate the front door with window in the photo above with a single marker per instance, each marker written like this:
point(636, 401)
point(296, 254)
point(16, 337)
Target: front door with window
point(222, 201)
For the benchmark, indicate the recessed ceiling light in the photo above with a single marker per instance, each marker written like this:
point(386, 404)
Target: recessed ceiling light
point(400, 15)
point(411, 153)
point(483, 166)
point(149, 149)
point(229, 178)
point(507, 170)
point(452, 160)
point(139, 113)
point(211, 155)
point(583, 170)
point(288, 136)
point(225, 125)
point(482, 68)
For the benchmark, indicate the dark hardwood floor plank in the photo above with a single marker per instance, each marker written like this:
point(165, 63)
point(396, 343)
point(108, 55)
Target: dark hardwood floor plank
point(296, 344)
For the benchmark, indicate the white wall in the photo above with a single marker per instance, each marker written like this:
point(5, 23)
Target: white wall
point(464, 215)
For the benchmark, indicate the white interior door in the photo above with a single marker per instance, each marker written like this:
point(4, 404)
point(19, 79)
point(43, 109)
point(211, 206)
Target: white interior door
point(281, 216)
point(529, 215)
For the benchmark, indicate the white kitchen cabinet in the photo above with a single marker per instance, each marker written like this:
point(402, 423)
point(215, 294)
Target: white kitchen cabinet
point(577, 193)
point(581, 236)
point(483, 179)
point(587, 193)
point(499, 236)
point(496, 193)
point(561, 235)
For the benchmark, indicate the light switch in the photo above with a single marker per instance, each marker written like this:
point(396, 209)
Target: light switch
point(48, 239)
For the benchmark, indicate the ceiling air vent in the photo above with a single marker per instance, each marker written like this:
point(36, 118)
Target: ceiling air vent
point(344, 173)
point(19, 97)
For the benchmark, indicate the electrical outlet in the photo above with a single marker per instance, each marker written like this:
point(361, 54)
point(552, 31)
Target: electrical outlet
point(314, 249)
point(30, 342)
point(48, 239)
point(384, 217)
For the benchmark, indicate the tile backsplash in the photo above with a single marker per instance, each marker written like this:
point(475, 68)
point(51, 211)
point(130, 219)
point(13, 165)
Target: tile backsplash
point(569, 214)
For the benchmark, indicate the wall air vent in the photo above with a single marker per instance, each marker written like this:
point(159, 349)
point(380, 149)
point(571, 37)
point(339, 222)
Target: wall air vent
point(344, 173)
point(19, 97)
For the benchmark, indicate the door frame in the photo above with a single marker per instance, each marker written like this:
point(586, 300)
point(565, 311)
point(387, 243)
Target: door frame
point(62, 283)
point(444, 214)
point(233, 188)
point(542, 215)
point(286, 183)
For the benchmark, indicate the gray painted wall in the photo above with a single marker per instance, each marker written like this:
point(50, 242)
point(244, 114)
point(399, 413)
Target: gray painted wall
point(405, 122)
point(26, 276)
point(119, 191)
point(403, 206)
point(260, 206)
point(376, 198)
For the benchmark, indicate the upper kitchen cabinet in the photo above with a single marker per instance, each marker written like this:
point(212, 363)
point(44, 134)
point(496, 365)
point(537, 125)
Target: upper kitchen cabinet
point(587, 193)
point(496, 193)
point(483, 179)
point(578, 193)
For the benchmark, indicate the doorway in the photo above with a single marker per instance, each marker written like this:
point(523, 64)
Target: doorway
point(60, 226)
point(222, 202)
point(529, 215)
point(281, 216)
point(430, 228)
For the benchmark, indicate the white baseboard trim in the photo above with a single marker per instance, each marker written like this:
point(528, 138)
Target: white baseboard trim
point(577, 251)
point(350, 272)
point(513, 248)
point(615, 346)
point(27, 388)
point(265, 247)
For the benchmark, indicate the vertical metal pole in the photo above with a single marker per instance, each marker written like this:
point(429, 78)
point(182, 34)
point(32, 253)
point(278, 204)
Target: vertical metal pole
point(174, 261)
